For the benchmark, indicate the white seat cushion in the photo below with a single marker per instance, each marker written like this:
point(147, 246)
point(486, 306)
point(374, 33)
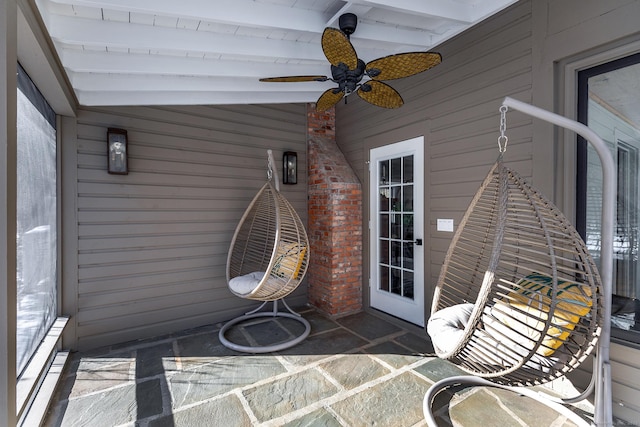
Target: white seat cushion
point(446, 329)
point(244, 285)
point(446, 326)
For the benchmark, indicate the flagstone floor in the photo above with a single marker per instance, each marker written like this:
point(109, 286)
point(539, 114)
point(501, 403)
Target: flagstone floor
point(358, 370)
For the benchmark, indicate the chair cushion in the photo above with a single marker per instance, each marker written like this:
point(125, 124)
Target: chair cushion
point(244, 285)
point(525, 312)
point(446, 326)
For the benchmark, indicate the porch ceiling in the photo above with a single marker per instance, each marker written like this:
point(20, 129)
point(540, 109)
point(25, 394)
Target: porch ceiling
point(146, 52)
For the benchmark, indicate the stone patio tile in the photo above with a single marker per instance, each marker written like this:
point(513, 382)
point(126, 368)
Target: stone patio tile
point(368, 325)
point(227, 411)
point(394, 354)
point(271, 331)
point(353, 370)
point(154, 360)
point(318, 418)
point(149, 398)
point(201, 381)
point(438, 369)
point(203, 347)
point(115, 406)
point(419, 343)
point(481, 408)
point(319, 323)
point(289, 394)
point(320, 346)
point(97, 374)
point(394, 403)
point(528, 410)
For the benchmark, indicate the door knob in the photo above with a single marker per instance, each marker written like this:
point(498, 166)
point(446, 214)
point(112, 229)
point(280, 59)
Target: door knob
point(418, 242)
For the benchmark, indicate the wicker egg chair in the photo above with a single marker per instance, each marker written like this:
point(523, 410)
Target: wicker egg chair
point(268, 258)
point(519, 300)
point(523, 280)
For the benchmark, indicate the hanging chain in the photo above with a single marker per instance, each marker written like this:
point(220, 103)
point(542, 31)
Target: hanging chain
point(269, 170)
point(502, 139)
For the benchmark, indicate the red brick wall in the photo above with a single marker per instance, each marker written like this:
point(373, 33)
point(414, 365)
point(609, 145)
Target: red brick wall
point(335, 221)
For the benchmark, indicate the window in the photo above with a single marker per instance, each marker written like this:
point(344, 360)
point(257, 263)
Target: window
point(37, 220)
point(609, 103)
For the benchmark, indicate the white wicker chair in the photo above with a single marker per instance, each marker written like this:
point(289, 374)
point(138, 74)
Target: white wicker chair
point(268, 258)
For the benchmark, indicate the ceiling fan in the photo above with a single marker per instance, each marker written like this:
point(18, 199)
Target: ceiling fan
point(348, 71)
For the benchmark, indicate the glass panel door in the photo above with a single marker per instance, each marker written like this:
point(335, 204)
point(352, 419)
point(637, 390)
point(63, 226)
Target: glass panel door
point(396, 236)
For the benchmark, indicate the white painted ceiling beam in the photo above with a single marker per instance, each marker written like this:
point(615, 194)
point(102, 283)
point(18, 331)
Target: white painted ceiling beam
point(88, 32)
point(247, 13)
point(251, 14)
point(193, 98)
point(484, 8)
point(78, 61)
point(80, 31)
point(448, 10)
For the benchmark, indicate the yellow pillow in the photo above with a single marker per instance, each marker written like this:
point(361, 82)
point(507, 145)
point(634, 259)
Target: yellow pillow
point(289, 258)
point(525, 324)
point(528, 309)
point(573, 298)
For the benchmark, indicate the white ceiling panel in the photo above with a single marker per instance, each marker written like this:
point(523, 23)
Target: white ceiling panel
point(142, 52)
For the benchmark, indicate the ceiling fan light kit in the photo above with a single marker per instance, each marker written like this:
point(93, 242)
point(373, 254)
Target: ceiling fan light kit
point(348, 71)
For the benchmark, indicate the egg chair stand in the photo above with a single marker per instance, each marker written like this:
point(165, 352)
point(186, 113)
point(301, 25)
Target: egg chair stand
point(267, 260)
point(519, 301)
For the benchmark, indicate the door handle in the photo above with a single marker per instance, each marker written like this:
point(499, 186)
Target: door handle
point(418, 242)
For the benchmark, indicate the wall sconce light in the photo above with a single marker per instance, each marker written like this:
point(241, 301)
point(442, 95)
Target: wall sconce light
point(290, 167)
point(117, 151)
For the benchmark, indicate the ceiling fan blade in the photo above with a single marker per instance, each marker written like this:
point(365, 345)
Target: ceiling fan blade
point(295, 79)
point(402, 65)
point(328, 99)
point(380, 94)
point(337, 48)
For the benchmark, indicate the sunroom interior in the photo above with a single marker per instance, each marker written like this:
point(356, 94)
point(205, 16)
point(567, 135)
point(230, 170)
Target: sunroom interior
point(134, 253)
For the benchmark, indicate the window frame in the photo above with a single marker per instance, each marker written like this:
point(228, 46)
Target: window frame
point(629, 337)
point(36, 383)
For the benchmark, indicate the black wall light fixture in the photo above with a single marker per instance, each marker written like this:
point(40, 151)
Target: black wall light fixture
point(290, 167)
point(117, 151)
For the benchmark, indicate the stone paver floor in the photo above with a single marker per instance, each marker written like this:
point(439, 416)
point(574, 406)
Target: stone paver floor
point(358, 370)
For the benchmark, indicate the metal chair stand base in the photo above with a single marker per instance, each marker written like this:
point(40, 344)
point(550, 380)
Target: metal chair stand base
point(477, 381)
point(257, 313)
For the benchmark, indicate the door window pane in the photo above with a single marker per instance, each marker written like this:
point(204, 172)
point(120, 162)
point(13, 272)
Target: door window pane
point(384, 278)
point(396, 170)
point(407, 285)
point(407, 169)
point(384, 252)
point(384, 172)
point(609, 104)
point(407, 198)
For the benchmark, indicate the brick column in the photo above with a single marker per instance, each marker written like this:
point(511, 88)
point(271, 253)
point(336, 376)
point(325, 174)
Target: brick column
point(335, 221)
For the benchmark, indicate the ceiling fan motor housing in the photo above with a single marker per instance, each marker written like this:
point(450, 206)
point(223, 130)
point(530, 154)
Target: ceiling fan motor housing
point(348, 23)
point(348, 79)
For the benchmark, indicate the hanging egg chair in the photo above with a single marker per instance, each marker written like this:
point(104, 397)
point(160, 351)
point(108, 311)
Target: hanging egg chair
point(519, 300)
point(268, 258)
point(518, 297)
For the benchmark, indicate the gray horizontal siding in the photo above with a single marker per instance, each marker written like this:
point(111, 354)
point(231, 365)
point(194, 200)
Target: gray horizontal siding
point(152, 245)
point(455, 106)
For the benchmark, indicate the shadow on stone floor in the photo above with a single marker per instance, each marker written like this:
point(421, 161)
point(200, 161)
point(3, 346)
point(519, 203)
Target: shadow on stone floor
point(354, 371)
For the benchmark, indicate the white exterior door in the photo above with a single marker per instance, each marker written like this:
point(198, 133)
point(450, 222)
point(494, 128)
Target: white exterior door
point(396, 175)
